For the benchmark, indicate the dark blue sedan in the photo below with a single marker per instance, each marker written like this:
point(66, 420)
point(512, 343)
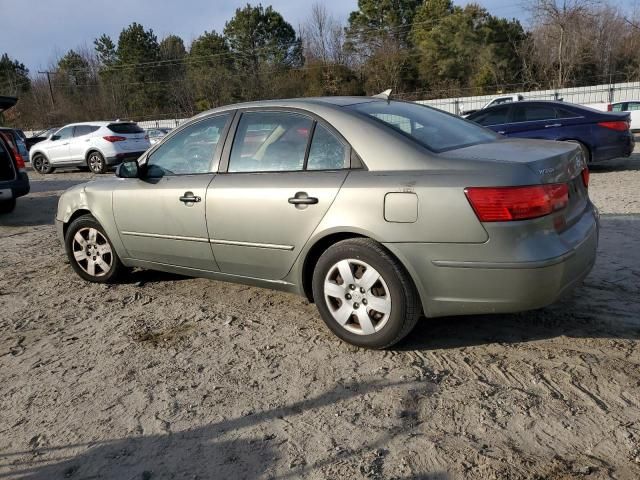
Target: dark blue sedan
point(601, 135)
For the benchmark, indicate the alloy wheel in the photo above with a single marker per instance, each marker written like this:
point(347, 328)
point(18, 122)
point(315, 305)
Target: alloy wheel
point(92, 252)
point(357, 296)
point(95, 163)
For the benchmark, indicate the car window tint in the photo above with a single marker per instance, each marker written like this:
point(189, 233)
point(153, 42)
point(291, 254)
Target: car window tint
point(539, 112)
point(270, 142)
point(562, 113)
point(6, 169)
point(189, 151)
point(430, 127)
point(65, 133)
point(326, 152)
point(81, 130)
point(125, 128)
point(633, 106)
point(618, 107)
point(495, 116)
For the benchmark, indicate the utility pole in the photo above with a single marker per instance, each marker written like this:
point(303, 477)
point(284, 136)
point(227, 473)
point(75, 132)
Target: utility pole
point(53, 103)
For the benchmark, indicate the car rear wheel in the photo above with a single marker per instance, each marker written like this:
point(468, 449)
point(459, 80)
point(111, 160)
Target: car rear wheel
point(586, 153)
point(364, 295)
point(90, 251)
point(96, 163)
point(41, 164)
point(7, 206)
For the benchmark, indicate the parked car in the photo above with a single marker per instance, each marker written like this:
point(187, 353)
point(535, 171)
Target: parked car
point(601, 135)
point(96, 145)
point(156, 134)
point(631, 106)
point(14, 181)
point(494, 101)
point(40, 137)
point(377, 210)
point(17, 138)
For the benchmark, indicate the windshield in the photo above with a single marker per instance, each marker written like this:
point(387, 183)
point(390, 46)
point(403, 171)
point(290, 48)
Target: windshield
point(436, 130)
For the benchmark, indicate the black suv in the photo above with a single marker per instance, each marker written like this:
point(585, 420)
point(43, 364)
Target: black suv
point(14, 181)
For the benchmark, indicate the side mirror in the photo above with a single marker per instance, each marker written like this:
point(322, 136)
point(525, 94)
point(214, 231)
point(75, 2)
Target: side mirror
point(128, 170)
point(55, 137)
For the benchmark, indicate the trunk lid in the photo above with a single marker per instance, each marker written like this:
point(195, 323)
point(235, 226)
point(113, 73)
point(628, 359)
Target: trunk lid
point(551, 162)
point(136, 137)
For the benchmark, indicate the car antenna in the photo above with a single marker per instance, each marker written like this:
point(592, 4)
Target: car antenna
point(386, 95)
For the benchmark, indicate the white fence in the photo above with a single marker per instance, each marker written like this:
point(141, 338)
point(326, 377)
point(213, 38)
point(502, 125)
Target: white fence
point(595, 95)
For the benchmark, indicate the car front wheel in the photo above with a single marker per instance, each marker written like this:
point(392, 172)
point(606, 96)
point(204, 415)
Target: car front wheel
point(41, 164)
point(90, 251)
point(364, 295)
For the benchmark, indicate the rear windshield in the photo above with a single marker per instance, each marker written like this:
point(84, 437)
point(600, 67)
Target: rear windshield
point(436, 130)
point(125, 128)
point(6, 167)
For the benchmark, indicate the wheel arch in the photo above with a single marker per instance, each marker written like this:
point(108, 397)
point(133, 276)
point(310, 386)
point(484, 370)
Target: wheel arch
point(78, 213)
point(321, 244)
point(89, 151)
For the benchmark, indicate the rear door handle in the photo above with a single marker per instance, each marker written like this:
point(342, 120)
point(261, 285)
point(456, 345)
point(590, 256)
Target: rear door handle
point(189, 197)
point(553, 125)
point(301, 198)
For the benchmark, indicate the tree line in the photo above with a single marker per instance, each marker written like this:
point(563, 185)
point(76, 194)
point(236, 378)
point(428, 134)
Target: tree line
point(421, 49)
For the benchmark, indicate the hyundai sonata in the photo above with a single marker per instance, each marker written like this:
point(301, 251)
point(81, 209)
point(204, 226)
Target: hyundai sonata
point(379, 211)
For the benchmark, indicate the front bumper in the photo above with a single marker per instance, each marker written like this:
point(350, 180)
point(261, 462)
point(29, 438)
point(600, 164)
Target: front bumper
point(123, 157)
point(460, 287)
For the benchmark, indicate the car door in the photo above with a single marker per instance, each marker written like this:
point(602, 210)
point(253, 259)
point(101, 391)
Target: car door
point(79, 144)
point(278, 178)
point(634, 109)
point(58, 150)
point(495, 118)
point(161, 215)
point(533, 120)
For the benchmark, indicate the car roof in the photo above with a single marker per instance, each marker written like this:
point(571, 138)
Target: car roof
point(99, 123)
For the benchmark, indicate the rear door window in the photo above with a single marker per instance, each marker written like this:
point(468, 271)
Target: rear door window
point(81, 130)
point(533, 113)
point(633, 106)
point(270, 142)
point(125, 128)
point(326, 152)
point(495, 116)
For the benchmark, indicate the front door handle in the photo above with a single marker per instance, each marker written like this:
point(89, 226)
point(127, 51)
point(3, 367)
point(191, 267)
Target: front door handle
point(301, 198)
point(553, 125)
point(189, 197)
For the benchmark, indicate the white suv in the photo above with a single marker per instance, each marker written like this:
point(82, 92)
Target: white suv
point(96, 145)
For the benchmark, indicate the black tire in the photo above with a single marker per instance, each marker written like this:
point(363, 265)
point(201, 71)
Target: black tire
point(405, 307)
point(40, 164)
point(96, 162)
point(116, 268)
point(7, 206)
point(586, 153)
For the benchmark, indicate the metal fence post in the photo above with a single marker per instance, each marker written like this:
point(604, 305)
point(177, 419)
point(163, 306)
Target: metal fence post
point(456, 106)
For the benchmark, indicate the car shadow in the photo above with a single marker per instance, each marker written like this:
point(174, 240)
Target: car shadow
point(617, 165)
point(249, 447)
point(32, 210)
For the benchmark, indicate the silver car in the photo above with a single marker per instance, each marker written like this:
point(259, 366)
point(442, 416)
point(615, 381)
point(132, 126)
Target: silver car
point(379, 211)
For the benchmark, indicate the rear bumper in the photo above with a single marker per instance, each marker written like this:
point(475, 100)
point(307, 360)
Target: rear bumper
point(123, 157)
point(461, 287)
point(623, 147)
point(19, 186)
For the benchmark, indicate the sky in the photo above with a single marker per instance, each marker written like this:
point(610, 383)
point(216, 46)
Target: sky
point(48, 28)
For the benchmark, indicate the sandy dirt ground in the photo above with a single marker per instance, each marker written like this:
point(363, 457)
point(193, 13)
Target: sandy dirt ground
point(169, 377)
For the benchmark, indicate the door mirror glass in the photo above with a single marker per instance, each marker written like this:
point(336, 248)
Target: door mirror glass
point(128, 170)
point(55, 137)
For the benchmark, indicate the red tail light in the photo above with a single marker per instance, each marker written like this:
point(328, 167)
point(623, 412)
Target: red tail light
point(585, 177)
point(114, 138)
point(19, 161)
point(503, 204)
point(618, 125)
